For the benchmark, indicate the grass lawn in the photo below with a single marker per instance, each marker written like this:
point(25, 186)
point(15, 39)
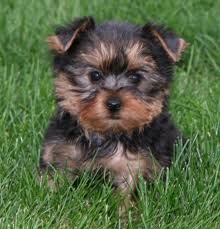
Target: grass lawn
point(190, 197)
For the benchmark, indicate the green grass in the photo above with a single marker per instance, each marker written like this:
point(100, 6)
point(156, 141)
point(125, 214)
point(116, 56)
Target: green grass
point(190, 198)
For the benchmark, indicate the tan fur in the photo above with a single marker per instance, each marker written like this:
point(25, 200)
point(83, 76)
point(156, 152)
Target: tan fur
point(135, 113)
point(55, 43)
point(66, 155)
point(127, 166)
point(124, 166)
point(102, 56)
point(136, 59)
point(70, 99)
point(94, 115)
point(79, 30)
point(48, 153)
point(174, 56)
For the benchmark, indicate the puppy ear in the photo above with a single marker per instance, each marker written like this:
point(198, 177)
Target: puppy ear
point(172, 44)
point(65, 36)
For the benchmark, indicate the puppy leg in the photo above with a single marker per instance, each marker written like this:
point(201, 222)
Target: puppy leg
point(61, 156)
point(128, 169)
point(125, 185)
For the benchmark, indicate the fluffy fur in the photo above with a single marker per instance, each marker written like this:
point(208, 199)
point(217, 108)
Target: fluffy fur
point(94, 64)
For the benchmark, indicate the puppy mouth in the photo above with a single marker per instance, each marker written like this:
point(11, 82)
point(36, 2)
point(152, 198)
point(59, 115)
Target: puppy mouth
point(114, 117)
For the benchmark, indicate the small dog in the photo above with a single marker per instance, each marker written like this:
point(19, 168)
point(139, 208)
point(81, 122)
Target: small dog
point(112, 84)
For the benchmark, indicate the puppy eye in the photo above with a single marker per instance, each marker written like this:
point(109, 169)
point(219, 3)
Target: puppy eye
point(95, 76)
point(134, 78)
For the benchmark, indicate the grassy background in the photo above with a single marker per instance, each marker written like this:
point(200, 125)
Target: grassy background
point(189, 198)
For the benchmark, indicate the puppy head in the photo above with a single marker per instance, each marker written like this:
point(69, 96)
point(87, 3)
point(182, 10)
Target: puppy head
point(113, 76)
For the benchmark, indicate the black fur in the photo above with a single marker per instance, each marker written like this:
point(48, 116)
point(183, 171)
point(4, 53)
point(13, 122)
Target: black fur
point(158, 136)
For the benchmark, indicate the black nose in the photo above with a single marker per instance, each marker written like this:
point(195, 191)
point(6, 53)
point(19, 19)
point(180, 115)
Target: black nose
point(113, 104)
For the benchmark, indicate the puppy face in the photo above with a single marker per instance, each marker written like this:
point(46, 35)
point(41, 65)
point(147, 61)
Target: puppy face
point(115, 76)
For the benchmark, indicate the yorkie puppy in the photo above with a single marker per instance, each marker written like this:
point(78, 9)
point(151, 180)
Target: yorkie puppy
point(112, 84)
